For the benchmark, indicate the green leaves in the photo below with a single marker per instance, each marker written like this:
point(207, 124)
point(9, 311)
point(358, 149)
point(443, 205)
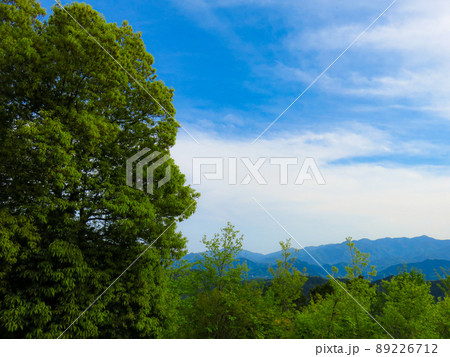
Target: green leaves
point(70, 117)
point(409, 309)
point(287, 282)
point(335, 313)
point(219, 261)
point(359, 261)
point(212, 302)
point(213, 299)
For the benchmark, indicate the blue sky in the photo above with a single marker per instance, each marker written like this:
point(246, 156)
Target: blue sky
point(377, 123)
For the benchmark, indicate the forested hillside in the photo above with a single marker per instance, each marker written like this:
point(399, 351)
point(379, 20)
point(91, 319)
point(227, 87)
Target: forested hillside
point(215, 299)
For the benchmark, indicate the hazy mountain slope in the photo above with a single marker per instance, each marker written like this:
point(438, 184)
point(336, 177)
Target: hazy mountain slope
point(428, 267)
point(387, 254)
point(383, 252)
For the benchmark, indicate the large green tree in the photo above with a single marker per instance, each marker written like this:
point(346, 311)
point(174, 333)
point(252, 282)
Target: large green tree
point(69, 224)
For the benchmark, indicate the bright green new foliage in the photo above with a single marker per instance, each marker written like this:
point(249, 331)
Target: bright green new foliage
point(219, 265)
point(409, 309)
point(69, 224)
point(443, 306)
point(217, 301)
point(287, 281)
point(343, 313)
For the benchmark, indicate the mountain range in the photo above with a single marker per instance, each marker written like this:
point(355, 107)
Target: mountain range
point(388, 255)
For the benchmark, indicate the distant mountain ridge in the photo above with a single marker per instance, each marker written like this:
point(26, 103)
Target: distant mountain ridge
point(431, 268)
point(387, 254)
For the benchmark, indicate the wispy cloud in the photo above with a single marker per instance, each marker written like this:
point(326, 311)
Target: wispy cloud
point(406, 56)
point(364, 199)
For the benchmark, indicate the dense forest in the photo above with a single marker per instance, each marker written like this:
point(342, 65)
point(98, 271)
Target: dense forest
point(214, 300)
point(84, 255)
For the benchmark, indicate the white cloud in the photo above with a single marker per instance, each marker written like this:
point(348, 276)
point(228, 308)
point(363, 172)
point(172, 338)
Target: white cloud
point(359, 199)
point(404, 56)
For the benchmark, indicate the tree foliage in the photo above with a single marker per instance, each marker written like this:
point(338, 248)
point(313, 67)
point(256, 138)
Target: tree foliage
point(69, 224)
point(343, 310)
point(219, 266)
point(287, 282)
point(216, 301)
point(409, 309)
